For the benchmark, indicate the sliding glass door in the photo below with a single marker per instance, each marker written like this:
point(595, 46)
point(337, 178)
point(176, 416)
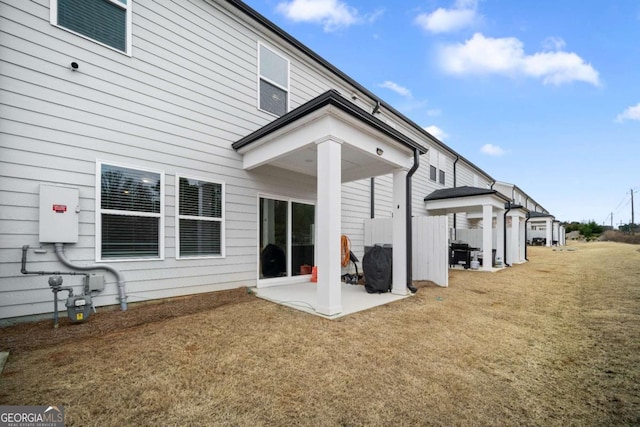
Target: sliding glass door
point(286, 238)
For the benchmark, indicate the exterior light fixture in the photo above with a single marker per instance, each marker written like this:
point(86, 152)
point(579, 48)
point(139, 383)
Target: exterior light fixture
point(379, 151)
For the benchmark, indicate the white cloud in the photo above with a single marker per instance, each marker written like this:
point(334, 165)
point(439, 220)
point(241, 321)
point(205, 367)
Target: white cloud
point(332, 14)
point(396, 88)
point(434, 112)
point(554, 43)
point(486, 55)
point(631, 113)
point(463, 14)
point(437, 132)
point(492, 150)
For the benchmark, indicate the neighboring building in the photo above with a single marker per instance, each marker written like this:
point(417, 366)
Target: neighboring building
point(201, 142)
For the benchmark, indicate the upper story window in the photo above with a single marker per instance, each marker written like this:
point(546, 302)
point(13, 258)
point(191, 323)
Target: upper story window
point(442, 177)
point(107, 22)
point(433, 171)
point(200, 219)
point(273, 77)
point(130, 213)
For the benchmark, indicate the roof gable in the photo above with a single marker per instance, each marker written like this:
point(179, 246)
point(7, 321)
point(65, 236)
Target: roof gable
point(333, 98)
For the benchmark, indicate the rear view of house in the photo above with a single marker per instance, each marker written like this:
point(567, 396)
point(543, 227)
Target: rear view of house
point(193, 146)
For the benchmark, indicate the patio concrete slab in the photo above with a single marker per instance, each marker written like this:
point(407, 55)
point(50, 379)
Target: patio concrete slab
point(303, 297)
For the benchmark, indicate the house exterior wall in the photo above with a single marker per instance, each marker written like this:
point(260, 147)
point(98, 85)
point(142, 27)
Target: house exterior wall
point(188, 90)
point(175, 106)
point(186, 93)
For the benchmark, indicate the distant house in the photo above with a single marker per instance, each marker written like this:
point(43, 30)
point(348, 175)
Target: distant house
point(194, 147)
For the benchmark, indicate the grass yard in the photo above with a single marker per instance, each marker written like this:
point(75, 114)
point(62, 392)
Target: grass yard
point(555, 341)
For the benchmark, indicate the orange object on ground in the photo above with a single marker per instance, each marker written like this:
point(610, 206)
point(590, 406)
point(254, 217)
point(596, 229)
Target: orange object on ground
point(314, 274)
point(345, 250)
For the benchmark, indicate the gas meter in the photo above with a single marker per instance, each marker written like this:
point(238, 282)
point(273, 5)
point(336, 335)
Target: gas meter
point(78, 308)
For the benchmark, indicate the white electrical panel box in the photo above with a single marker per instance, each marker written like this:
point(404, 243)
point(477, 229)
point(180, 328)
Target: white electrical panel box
point(59, 212)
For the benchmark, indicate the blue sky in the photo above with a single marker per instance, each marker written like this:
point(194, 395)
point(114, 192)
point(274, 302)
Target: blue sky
point(543, 94)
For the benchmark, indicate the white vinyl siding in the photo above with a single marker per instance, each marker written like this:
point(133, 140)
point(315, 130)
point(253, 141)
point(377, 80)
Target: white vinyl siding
point(130, 213)
point(200, 218)
point(107, 22)
point(273, 81)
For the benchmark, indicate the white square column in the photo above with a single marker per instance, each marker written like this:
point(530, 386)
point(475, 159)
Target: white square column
point(328, 227)
point(523, 241)
point(500, 253)
point(513, 254)
point(487, 237)
point(549, 231)
point(399, 278)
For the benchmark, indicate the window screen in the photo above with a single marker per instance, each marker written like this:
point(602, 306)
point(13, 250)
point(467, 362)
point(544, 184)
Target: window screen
point(272, 99)
point(102, 20)
point(200, 206)
point(130, 212)
point(432, 173)
point(442, 177)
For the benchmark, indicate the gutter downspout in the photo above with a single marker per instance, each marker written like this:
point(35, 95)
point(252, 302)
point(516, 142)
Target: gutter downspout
point(122, 297)
point(455, 184)
point(492, 184)
point(504, 234)
point(409, 218)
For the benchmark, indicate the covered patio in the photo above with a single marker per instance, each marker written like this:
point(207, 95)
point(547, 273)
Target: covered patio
point(541, 226)
point(335, 141)
point(487, 203)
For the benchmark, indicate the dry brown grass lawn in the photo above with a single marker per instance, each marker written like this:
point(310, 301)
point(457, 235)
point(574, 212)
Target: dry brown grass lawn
point(555, 341)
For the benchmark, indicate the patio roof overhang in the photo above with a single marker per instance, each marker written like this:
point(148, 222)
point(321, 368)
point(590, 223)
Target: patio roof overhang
point(370, 147)
point(463, 199)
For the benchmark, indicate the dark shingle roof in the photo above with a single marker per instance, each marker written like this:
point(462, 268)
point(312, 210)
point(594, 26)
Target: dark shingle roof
point(539, 215)
point(330, 97)
point(464, 191)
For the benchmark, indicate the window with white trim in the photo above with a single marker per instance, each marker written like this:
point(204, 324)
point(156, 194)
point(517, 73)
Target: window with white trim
point(442, 177)
point(130, 213)
point(200, 219)
point(107, 22)
point(433, 171)
point(273, 81)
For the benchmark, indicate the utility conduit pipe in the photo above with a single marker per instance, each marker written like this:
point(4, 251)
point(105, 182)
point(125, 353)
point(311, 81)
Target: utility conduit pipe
point(122, 297)
point(24, 270)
